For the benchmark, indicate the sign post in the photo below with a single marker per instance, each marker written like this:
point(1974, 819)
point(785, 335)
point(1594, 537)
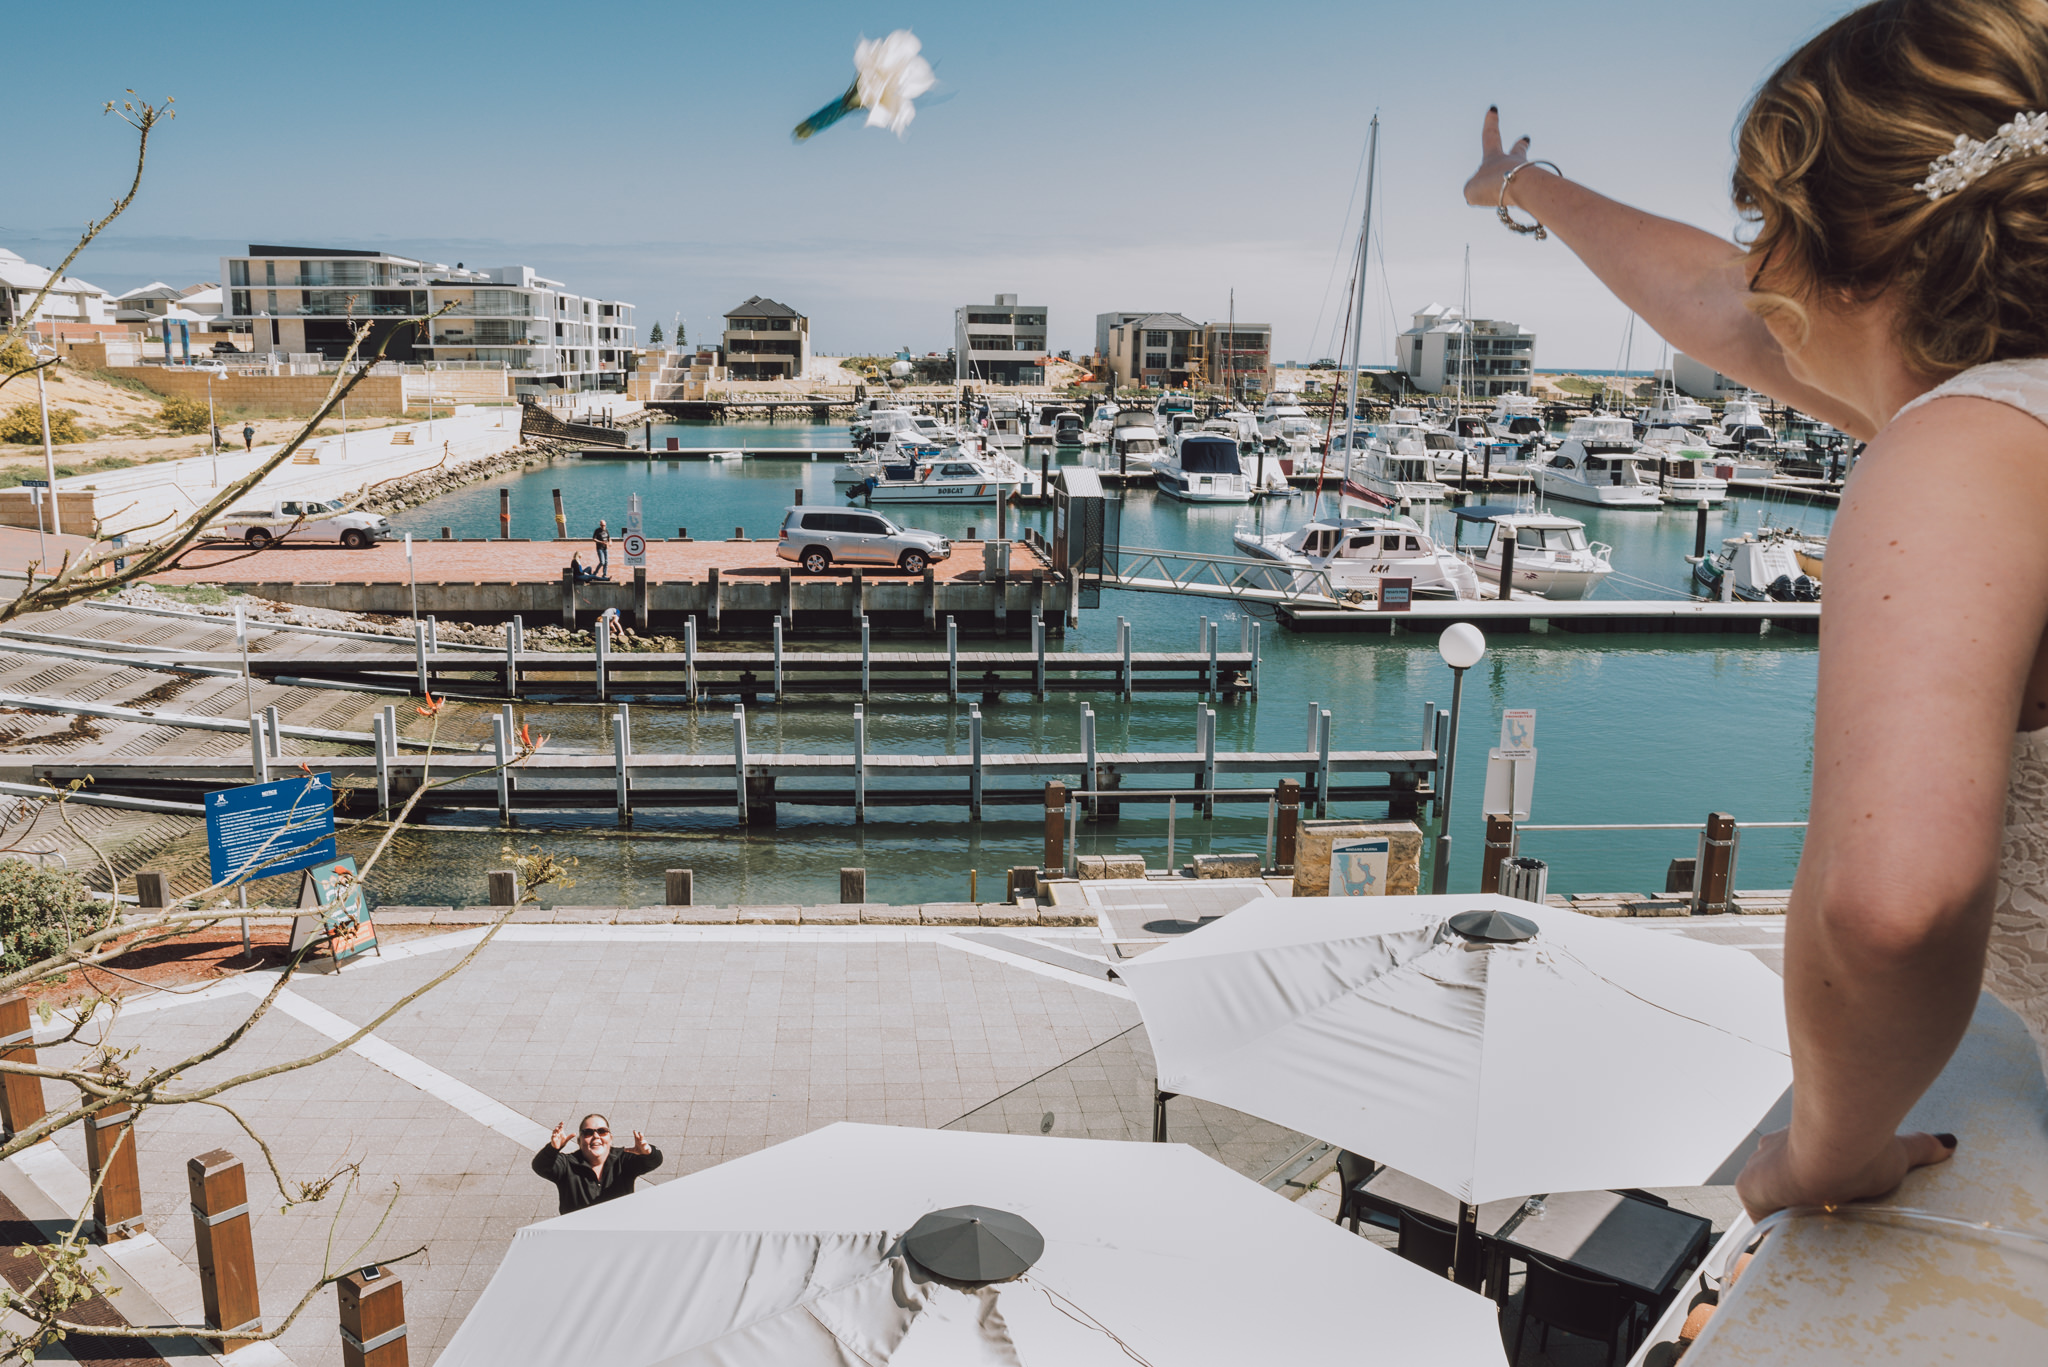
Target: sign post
point(1511, 766)
point(270, 828)
point(636, 544)
point(1396, 594)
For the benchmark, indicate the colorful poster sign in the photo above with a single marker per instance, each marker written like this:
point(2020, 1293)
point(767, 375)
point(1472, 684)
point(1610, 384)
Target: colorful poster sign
point(345, 925)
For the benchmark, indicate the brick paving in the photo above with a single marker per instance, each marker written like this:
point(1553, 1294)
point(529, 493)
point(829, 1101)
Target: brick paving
point(524, 562)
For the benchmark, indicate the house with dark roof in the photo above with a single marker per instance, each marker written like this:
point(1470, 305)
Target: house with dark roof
point(766, 340)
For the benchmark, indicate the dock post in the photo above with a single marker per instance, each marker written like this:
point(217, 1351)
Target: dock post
point(739, 757)
point(1215, 630)
point(717, 606)
point(1255, 659)
point(519, 633)
point(1428, 725)
point(931, 600)
point(866, 690)
point(259, 757)
point(860, 597)
point(600, 653)
point(419, 656)
point(1000, 602)
point(433, 635)
point(561, 521)
point(1500, 844)
point(952, 661)
point(504, 514)
point(1699, 531)
point(1717, 866)
point(383, 763)
point(1506, 591)
point(1054, 856)
point(1123, 642)
point(504, 885)
point(500, 748)
point(690, 657)
point(1090, 779)
point(1209, 761)
point(974, 762)
point(860, 764)
point(511, 663)
point(1244, 633)
point(1201, 634)
point(622, 756)
point(681, 887)
point(1038, 650)
point(273, 731)
point(117, 1182)
point(1323, 763)
point(788, 600)
point(778, 659)
point(21, 1096)
point(1287, 836)
point(643, 606)
point(222, 1246)
point(569, 600)
point(853, 886)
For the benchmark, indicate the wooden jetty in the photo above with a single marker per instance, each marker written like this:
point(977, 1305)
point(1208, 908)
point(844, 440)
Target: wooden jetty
point(679, 452)
point(1538, 615)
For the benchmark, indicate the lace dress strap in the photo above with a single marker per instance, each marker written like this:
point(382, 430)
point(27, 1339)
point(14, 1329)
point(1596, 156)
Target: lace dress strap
point(2019, 384)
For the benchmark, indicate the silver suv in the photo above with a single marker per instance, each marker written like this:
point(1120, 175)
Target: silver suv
point(818, 538)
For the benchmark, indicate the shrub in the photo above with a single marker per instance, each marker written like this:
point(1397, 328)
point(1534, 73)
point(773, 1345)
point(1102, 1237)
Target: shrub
point(23, 423)
point(40, 913)
point(15, 357)
point(183, 415)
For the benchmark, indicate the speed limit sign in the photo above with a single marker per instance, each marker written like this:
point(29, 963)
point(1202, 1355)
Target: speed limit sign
point(636, 549)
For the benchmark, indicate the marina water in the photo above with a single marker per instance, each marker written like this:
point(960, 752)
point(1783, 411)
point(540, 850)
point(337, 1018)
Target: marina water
point(1656, 729)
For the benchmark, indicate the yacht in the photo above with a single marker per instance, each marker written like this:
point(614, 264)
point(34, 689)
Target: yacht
point(1689, 475)
point(1597, 464)
point(1267, 475)
point(1516, 418)
point(1396, 463)
point(1759, 566)
point(1169, 407)
point(1055, 423)
point(1133, 443)
point(1282, 419)
point(1553, 559)
point(1103, 423)
point(1203, 467)
point(1003, 418)
point(1355, 553)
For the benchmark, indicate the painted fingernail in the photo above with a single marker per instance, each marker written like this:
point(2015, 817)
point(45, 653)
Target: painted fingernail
point(1948, 1141)
point(1493, 109)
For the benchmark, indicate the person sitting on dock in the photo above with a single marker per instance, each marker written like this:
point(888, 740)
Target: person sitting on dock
point(602, 540)
point(577, 572)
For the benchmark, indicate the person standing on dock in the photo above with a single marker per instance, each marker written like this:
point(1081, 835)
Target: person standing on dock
point(248, 437)
point(602, 540)
point(593, 1172)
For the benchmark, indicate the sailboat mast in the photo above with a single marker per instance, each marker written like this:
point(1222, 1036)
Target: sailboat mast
point(1372, 157)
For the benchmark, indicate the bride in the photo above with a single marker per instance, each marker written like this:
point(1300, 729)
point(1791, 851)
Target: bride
point(1895, 175)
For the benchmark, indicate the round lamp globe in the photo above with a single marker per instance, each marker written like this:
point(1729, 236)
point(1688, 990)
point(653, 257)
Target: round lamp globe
point(1461, 645)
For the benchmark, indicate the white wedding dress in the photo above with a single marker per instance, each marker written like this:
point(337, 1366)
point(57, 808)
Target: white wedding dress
point(2016, 967)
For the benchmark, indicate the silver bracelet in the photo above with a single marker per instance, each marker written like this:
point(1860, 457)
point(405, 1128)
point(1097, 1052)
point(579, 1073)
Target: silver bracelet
point(1506, 218)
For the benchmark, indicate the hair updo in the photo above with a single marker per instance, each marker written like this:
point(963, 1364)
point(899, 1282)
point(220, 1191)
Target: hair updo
point(1832, 144)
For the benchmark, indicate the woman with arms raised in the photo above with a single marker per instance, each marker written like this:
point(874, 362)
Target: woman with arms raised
point(1895, 170)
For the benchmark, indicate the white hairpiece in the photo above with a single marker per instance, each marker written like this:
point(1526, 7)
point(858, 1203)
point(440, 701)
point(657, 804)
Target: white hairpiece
point(2026, 135)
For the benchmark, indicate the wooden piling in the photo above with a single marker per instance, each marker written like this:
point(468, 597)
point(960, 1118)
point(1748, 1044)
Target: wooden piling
point(152, 890)
point(569, 599)
point(1288, 797)
point(21, 1098)
point(504, 887)
point(681, 887)
point(1718, 865)
point(372, 1312)
point(643, 606)
point(501, 745)
point(974, 774)
point(561, 519)
point(853, 886)
point(224, 1247)
point(110, 1164)
point(1500, 844)
point(1055, 856)
point(717, 606)
point(504, 514)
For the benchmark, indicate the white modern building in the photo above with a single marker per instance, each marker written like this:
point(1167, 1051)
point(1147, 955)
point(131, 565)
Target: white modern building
point(308, 300)
point(1698, 380)
point(195, 305)
point(71, 301)
point(1483, 357)
point(1000, 343)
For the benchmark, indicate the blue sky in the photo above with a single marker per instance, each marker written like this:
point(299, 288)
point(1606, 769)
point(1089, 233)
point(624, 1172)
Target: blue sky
point(1087, 156)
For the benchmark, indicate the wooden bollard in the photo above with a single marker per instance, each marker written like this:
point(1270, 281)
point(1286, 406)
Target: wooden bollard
point(21, 1098)
point(681, 887)
point(110, 1149)
point(1719, 865)
point(225, 1248)
point(1500, 844)
point(152, 888)
point(1055, 860)
point(853, 885)
point(372, 1319)
point(1287, 823)
point(504, 887)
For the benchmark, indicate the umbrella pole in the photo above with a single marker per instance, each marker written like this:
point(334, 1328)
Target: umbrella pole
point(1159, 1100)
point(1465, 1263)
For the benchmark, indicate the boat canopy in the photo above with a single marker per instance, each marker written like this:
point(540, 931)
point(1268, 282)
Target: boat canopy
point(1486, 512)
point(1206, 455)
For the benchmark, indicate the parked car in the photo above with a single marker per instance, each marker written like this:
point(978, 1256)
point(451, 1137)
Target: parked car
point(818, 538)
point(306, 520)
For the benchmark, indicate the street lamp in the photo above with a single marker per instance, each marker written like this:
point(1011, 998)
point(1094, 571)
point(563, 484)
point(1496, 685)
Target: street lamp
point(213, 423)
point(1462, 645)
point(42, 357)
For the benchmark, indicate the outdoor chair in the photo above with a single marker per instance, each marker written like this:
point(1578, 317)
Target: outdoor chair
point(1586, 1307)
point(1428, 1242)
point(1353, 1172)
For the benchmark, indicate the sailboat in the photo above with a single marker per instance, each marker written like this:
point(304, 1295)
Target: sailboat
point(1354, 497)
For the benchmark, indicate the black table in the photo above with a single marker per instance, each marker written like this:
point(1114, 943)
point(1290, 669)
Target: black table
point(1643, 1246)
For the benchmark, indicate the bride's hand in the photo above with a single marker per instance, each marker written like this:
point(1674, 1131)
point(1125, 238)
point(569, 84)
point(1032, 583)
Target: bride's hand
point(1484, 187)
point(1768, 1181)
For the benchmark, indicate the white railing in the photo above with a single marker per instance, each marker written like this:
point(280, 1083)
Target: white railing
point(1222, 576)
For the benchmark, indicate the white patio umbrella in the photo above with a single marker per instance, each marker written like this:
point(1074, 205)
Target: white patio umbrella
point(1591, 1054)
point(1146, 1253)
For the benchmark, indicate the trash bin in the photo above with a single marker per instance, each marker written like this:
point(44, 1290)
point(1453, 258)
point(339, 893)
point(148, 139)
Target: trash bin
point(995, 557)
point(1524, 879)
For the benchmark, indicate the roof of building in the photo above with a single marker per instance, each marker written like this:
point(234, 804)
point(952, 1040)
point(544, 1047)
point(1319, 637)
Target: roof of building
point(1163, 320)
point(758, 307)
point(25, 275)
point(155, 289)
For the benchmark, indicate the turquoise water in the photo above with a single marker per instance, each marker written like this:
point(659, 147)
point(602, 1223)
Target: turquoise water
point(1665, 728)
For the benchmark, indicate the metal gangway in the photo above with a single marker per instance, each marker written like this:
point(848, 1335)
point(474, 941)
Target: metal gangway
point(1247, 579)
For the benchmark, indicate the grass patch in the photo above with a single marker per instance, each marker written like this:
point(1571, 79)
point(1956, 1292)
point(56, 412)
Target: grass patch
point(205, 594)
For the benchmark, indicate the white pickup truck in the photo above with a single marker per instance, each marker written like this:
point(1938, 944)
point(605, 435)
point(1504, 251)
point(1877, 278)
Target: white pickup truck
point(306, 520)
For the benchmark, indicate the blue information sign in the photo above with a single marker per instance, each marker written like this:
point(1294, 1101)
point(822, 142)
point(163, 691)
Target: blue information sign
point(278, 827)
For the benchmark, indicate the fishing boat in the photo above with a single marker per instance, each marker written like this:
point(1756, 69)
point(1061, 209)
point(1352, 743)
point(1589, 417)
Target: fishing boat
point(1598, 463)
point(1756, 567)
point(1552, 558)
point(1203, 467)
point(1356, 553)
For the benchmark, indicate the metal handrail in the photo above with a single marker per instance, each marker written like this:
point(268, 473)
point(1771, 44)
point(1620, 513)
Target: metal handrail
point(1231, 576)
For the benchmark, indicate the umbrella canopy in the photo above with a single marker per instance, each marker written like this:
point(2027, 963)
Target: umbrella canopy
point(1589, 1054)
point(794, 1256)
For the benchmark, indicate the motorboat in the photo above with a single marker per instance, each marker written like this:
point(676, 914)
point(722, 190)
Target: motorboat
point(1689, 475)
point(1396, 463)
point(1055, 423)
point(1282, 419)
point(1757, 567)
point(1355, 553)
point(903, 447)
point(1170, 406)
point(1104, 422)
point(947, 478)
point(1552, 557)
point(1516, 418)
point(1598, 463)
point(1133, 443)
point(1203, 467)
point(1003, 419)
point(1267, 475)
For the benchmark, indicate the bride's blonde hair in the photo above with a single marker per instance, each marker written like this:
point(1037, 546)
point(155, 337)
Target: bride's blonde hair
point(1832, 145)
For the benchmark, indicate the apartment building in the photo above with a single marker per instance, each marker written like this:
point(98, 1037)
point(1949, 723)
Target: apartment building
point(1444, 350)
point(765, 340)
point(308, 300)
point(1238, 357)
point(1155, 349)
point(1000, 343)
